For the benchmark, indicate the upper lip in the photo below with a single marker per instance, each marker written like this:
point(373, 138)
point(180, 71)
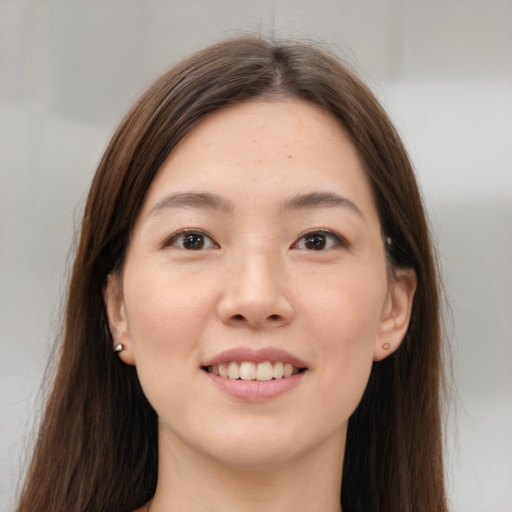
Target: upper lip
point(242, 354)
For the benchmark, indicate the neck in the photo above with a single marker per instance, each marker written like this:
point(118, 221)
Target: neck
point(197, 483)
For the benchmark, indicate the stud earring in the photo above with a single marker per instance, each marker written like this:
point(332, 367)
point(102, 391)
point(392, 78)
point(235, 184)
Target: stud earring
point(386, 346)
point(118, 348)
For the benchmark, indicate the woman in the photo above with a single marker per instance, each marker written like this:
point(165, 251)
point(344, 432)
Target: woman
point(252, 318)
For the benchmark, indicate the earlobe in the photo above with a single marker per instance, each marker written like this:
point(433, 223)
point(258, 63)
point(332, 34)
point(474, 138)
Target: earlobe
point(396, 313)
point(117, 321)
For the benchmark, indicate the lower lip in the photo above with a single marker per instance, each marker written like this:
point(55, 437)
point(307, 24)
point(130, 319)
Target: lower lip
point(256, 390)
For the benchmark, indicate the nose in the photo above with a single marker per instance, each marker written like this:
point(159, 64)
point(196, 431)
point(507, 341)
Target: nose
point(255, 293)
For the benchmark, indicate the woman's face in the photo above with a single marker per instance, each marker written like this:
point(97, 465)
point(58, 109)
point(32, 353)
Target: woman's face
point(258, 252)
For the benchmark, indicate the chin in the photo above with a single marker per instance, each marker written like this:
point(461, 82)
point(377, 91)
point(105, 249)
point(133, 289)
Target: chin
point(253, 449)
point(257, 456)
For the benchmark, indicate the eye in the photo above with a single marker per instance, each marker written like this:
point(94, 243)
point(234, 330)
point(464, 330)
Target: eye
point(191, 240)
point(319, 241)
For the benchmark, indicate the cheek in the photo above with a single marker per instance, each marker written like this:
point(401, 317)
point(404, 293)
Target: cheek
point(345, 323)
point(165, 316)
point(160, 300)
point(163, 321)
point(346, 308)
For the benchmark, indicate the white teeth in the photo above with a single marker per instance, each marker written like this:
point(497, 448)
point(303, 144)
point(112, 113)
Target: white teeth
point(288, 370)
point(264, 371)
point(233, 370)
point(278, 370)
point(247, 370)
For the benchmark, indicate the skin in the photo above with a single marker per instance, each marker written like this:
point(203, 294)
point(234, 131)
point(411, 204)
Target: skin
point(257, 283)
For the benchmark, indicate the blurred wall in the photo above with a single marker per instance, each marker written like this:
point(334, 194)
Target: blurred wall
point(68, 72)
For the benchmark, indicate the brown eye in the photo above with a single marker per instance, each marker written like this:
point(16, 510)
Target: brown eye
point(315, 242)
point(191, 241)
point(319, 241)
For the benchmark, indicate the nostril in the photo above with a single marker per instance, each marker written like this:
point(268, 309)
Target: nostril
point(271, 318)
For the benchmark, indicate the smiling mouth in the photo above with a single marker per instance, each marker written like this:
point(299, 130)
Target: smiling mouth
point(248, 370)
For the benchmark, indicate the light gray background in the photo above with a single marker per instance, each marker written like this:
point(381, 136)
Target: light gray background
point(69, 70)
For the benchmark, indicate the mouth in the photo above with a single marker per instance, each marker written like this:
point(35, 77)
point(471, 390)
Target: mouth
point(254, 370)
point(255, 375)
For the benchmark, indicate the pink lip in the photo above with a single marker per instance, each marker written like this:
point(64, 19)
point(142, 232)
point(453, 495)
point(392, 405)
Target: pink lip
point(256, 391)
point(253, 390)
point(256, 356)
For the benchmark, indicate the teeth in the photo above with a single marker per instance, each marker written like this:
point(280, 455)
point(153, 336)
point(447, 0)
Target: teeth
point(264, 371)
point(278, 370)
point(247, 370)
point(233, 370)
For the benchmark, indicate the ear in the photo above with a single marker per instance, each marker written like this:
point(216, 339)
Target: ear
point(396, 313)
point(117, 320)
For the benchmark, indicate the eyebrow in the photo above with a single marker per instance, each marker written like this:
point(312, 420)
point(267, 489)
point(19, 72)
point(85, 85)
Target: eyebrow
point(208, 201)
point(320, 200)
point(203, 200)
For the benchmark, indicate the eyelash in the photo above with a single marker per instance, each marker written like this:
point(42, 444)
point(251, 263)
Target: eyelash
point(322, 235)
point(182, 235)
point(336, 240)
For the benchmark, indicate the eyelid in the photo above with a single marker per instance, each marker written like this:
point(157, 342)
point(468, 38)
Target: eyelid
point(170, 240)
point(340, 240)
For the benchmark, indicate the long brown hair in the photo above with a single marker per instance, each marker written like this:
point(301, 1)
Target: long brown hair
point(97, 444)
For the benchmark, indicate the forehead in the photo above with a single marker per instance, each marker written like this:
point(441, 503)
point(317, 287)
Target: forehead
point(265, 129)
point(263, 151)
